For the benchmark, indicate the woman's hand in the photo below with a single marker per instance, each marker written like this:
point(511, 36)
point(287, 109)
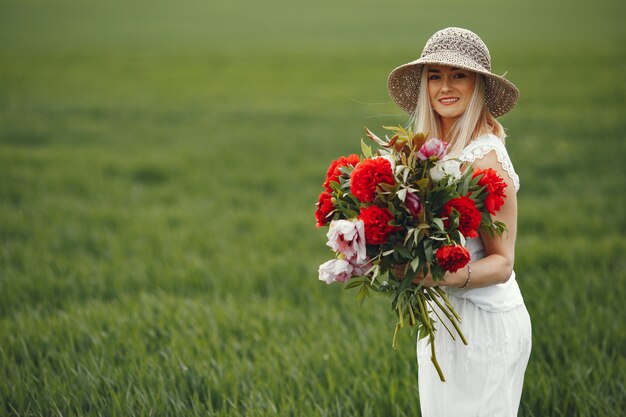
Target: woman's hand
point(417, 278)
point(449, 279)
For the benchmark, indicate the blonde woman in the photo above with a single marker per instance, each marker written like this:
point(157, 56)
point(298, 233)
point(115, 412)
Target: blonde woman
point(451, 92)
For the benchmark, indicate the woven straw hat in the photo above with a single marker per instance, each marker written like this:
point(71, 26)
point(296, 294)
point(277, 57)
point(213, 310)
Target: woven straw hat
point(459, 48)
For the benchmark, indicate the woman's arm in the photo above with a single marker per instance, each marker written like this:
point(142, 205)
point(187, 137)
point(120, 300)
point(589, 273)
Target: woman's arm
point(497, 266)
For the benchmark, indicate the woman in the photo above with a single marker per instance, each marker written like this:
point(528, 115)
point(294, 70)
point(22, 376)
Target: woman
point(451, 92)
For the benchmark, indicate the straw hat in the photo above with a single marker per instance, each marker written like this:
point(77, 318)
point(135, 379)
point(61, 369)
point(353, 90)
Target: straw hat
point(459, 48)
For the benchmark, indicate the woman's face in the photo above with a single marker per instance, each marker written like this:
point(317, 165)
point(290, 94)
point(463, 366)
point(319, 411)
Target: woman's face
point(450, 90)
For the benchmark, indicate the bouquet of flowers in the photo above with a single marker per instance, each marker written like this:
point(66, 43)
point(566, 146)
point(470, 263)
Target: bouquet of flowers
point(407, 207)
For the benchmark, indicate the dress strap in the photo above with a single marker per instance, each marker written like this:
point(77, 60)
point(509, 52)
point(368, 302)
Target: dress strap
point(481, 146)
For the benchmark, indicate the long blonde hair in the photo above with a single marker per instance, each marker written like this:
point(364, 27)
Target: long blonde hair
point(475, 121)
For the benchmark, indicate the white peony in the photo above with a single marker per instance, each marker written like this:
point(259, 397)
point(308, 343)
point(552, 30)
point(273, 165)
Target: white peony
point(348, 238)
point(335, 270)
point(446, 167)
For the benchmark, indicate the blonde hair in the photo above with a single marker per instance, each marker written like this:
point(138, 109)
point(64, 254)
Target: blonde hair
point(475, 121)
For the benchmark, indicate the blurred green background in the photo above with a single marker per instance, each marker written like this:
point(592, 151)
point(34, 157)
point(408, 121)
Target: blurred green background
point(159, 166)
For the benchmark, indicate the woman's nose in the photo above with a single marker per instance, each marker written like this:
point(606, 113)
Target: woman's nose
point(446, 85)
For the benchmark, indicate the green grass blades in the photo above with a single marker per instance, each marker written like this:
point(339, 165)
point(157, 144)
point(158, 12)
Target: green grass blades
point(159, 167)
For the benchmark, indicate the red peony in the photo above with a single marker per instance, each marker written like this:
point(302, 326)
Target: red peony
point(324, 208)
point(367, 175)
point(452, 257)
point(376, 221)
point(334, 172)
point(469, 216)
point(495, 187)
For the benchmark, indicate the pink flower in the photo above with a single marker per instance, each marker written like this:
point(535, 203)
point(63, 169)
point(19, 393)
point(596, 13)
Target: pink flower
point(335, 270)
point(413, 204)
point(348, 238)
point(432, 148)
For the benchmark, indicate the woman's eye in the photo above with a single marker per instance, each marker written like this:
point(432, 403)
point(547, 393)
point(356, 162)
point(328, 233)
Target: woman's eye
point(433, 77)
point(459, 75)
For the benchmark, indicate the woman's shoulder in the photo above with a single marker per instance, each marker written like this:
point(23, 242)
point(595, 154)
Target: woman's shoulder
point(486, 144)
point(481, 146)
point(488, 139)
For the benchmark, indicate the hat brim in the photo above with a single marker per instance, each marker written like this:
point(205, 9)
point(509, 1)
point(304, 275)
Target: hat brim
point(403, 83)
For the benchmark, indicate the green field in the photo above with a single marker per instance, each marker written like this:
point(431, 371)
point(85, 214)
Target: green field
point(159, 165)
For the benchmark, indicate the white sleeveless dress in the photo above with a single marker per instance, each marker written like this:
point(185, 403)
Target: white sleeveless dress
point(484, 378)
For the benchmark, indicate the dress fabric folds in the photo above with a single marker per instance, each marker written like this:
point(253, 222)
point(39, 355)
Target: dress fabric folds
point(484, 378)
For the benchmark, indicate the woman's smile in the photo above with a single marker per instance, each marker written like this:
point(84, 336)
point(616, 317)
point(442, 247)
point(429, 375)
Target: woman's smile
point(446, 101)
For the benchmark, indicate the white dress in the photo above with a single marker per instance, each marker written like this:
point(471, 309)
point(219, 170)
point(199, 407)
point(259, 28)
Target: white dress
point(484, 378)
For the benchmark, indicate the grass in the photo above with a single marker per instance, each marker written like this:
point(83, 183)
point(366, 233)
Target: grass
point(158, 171)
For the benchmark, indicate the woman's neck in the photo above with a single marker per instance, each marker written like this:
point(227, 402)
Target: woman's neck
point(446, 127)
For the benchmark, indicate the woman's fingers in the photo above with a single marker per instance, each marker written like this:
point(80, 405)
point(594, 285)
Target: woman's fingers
point(417, 278)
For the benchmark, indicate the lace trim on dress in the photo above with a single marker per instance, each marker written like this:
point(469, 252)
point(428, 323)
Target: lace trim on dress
point(479, 148)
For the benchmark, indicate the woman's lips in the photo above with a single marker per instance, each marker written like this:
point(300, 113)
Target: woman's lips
point(448, 100)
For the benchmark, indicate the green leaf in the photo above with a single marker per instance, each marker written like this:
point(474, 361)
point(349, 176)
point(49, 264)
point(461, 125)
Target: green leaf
point(353, 199)
point(375, 270)
point(402, 251)
point(367, 151)
point(354, 282)
point(397, 129)
point(422, 184)
point(464, 187)
point(415, 263)
point(411, 160)
point(362, 294)
point(409, 234)
point(475, 194)
point(386, 187)
point(335, 186)
point(428, 251)
point(439, 223)
point(350, 213)
point(402, 194)
point(346, 169)
point(422, 332)
point(405, 173)
point(418, 237)
point(375, 138)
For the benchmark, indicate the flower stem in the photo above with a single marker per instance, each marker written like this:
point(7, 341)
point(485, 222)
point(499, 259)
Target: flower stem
point(421, 302)
point(442, 294)
point(443, 323)
point(433, 357)
point(451, 314)
point(412, 321)
point(394, 342)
